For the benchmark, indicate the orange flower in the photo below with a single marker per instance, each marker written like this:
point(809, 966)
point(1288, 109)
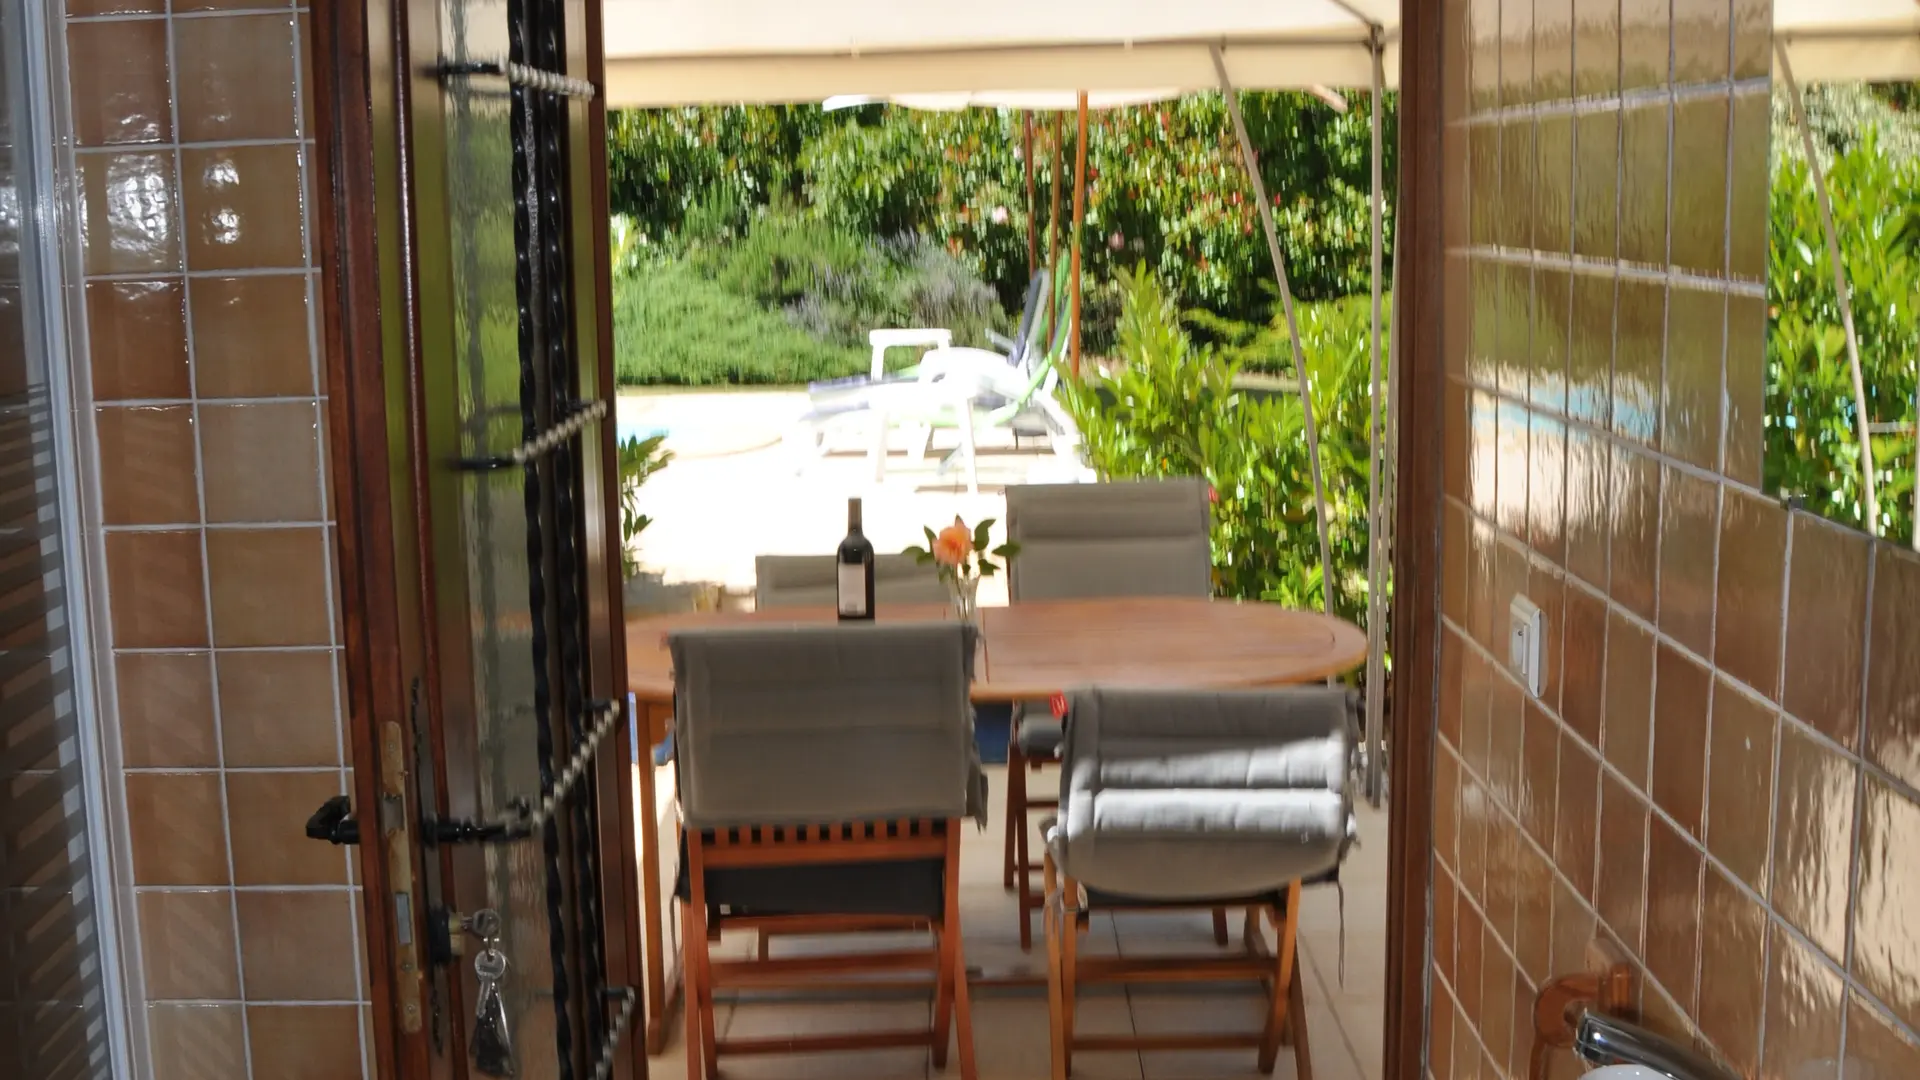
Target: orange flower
point(953, 545)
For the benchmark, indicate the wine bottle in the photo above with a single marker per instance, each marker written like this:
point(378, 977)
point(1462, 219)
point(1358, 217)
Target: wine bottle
point(856, 569)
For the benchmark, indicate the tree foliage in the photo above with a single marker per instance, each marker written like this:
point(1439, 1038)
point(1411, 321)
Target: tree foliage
point(1812, 438)
point(1165, 188)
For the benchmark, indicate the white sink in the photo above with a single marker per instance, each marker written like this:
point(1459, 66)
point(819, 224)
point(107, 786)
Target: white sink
point(1624, 1072)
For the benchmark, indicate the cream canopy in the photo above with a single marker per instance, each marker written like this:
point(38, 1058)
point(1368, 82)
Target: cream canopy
point(676, 52)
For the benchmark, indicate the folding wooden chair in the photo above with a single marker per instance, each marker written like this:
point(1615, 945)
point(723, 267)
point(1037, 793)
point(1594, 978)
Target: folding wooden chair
point(1080, 541)
point(1178, 801)
point(825, 773)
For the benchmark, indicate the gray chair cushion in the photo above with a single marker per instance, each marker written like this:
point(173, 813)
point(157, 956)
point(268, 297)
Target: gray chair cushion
point(819, 724)
point(1126, 538)
point(1168, 795)
point(1037, 731)
point(812, 581)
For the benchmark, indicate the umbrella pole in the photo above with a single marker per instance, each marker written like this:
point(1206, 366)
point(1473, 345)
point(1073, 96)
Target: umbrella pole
point(1871, 500)
point(1026, 159)
point(1376, 542)
point(1293, 324)
point(1053, 232)
point(1079, 223)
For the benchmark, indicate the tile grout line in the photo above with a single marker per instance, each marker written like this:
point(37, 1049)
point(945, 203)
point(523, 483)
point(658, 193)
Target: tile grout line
point(206, 562)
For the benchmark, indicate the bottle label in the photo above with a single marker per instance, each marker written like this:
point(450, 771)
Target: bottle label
point(853, 589)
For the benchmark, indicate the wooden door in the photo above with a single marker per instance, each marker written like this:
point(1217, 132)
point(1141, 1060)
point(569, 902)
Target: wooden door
point(463, 232)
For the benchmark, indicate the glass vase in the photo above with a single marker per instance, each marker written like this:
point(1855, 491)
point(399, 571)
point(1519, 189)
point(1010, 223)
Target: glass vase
point(964, 593)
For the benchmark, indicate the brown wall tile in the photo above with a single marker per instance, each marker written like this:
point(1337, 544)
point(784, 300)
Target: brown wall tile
point(1876, 1048)
point(1496, 1004)
point(262, 462)
point(187, 946)
point(243, 207)
point(147, 465)
point(1803, 1011)
point(131, 206)
point(1446, 806)
point(250, 337)
point(1644, 133)
point(1533, 925)
point(277, 709)
point(1826, 628)
point(1673, 911)
point(1470, 935)
point(166, 710)
point(237, 77)
point(1893, 680)
point(1596, 47)
point(1700, 134)
point(1553, 193)
point(124, 98)
point(1681, 695)
point(1753, 534)
point(1539, 776)
point(1546, 481)
point(1701, 31)
point(1645, 43)
point(137, 340)
point(1628, 733)
point(1584, 672)
point(1576, 814)
point(1812, 839)
point(177, 828)
point(1620, 896)
point(1746, 384)
point(158, 593)
point(298, 946)
point(1519, 165)
point(1886, 943)
point(1589, 507)
point(1733, 949)
point(1690, 410)
point(269, 811)
point(77, 9)
point(197, 1042)
point(1596, 189)
point(1750, 182)
point(315, 1042)
point(1689, 544)
point(1641, 326)
point(269, 587)
point(1445, 898)
point(1740, 784)
point(1635, 547)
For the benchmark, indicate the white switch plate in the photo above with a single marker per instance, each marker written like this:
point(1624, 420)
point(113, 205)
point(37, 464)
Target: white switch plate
point(1526, 643)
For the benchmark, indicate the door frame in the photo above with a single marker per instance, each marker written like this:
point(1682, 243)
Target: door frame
point(1419, 343)
point(365, 245)
point(361, 82)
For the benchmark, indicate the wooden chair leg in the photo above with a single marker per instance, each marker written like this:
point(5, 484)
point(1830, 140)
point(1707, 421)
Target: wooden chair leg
point(1056, 930)
point(963, 1016)
point(1069, 966)
point(1297, 1026)
point(1023, 881)
point(1287, 934)
point(1220, 927)
point(1016, 808)
point(943, 997)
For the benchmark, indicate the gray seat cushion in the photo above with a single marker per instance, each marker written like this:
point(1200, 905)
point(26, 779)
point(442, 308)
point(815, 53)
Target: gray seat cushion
point(1129, 538)
point(1169, 796)
point(1037, 732)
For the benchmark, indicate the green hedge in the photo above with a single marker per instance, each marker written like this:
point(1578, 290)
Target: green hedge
point(671, 325)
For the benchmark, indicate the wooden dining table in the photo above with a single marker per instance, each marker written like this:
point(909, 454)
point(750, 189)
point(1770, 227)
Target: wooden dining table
point(1028, 652)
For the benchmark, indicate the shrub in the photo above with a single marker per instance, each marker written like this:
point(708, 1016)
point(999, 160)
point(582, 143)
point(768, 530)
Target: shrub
point(1812, 438)
point(1167, 406)
point(673, 325)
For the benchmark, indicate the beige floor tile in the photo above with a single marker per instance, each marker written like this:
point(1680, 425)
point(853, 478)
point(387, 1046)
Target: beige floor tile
point(1163, 1012)
point(816, 1018)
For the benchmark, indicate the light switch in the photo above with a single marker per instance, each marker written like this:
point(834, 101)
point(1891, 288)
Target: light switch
point(1526, 644)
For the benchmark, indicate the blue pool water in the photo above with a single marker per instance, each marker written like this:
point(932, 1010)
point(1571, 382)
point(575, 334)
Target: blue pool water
point(635, 429)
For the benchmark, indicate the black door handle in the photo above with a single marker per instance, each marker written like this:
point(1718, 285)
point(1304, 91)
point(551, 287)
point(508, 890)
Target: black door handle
point(334, 823)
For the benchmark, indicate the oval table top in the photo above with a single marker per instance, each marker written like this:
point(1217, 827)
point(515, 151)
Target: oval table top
point(1032, 650)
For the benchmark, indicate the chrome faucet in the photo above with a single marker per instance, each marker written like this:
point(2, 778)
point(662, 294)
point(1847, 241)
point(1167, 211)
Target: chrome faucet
point(1600, 1039)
